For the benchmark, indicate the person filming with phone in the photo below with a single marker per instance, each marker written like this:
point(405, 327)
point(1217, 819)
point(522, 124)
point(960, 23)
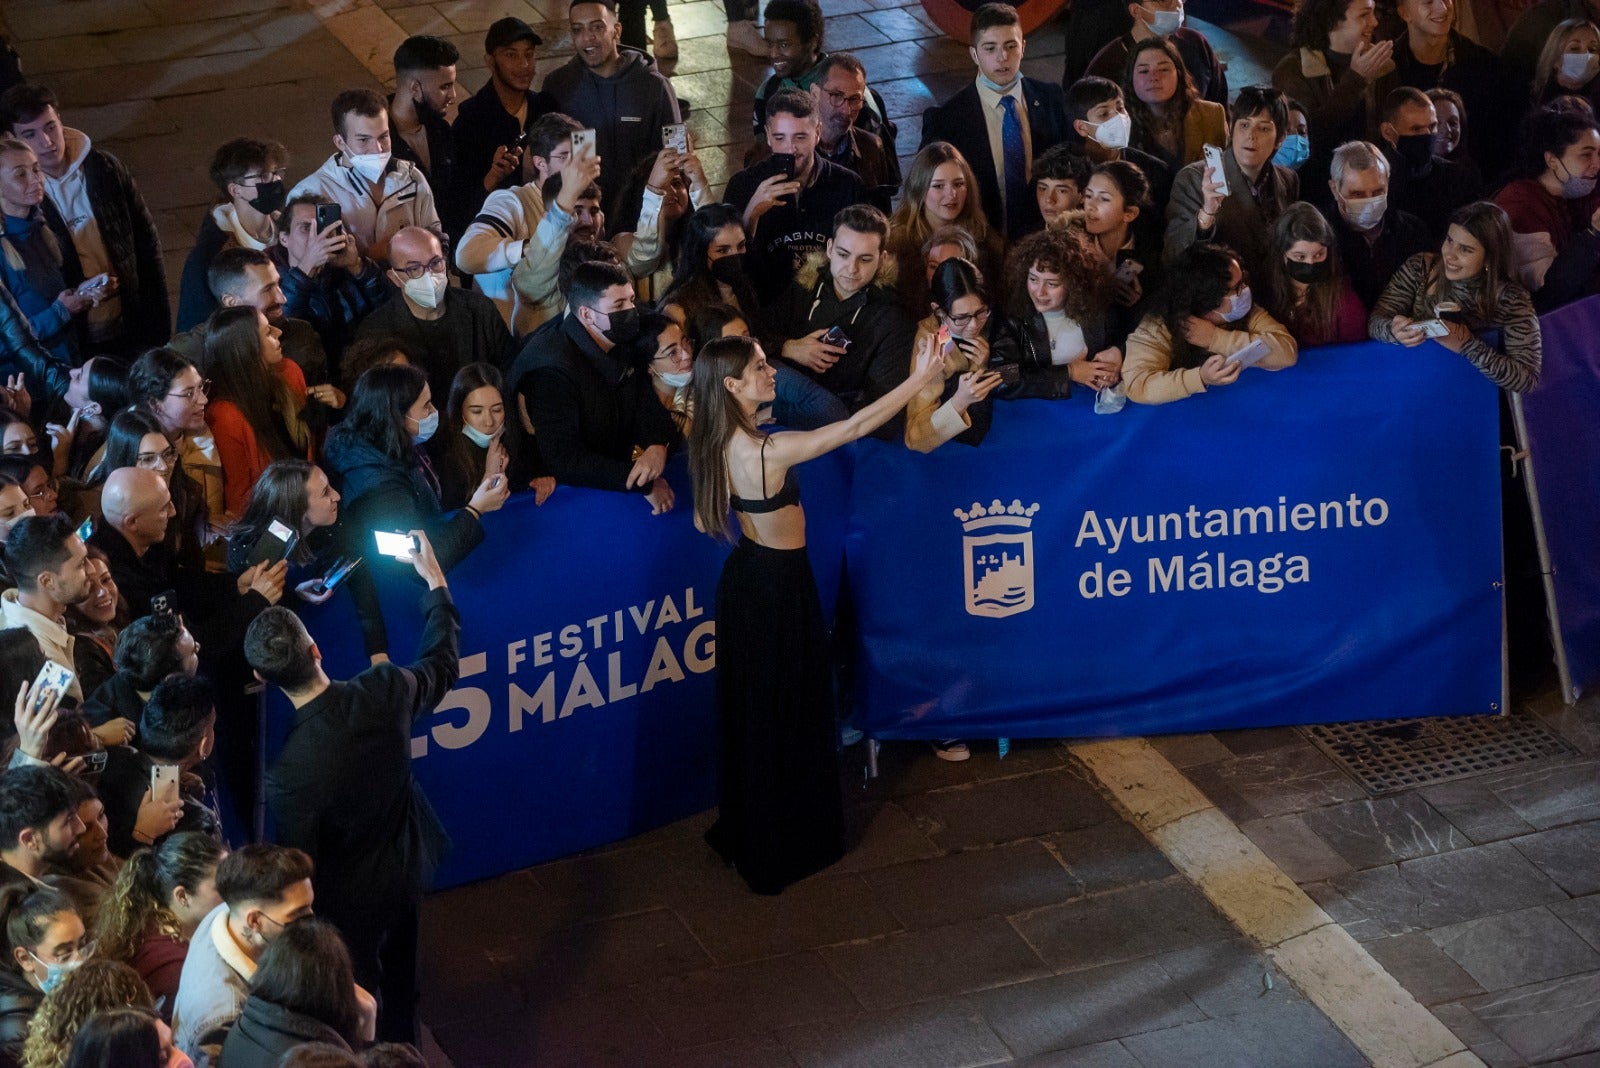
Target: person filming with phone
point(342, 788)
point(49, 563)
point(326, 280)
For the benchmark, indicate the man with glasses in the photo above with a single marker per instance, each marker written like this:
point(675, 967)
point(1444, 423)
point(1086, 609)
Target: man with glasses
point(39, 822)
point(840, 94)
point(794, 37)
point(249, 174)
point(49, 563)
point(444, 328)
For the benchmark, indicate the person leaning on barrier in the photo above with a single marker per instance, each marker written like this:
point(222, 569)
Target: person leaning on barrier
point(342, 789)
point(1060, 304)
point(1183, 345)
point(1375, 237)
point(477, 440)
point(1303, 283)
point(958, 407)
point(1470, 287)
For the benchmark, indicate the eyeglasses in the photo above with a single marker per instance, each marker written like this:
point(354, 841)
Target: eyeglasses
point(839, 100)
point(46, 490)
point(673, 354)
point(272, 176)
point(961, 322)
point(148, 460)
point(436, 265)
point(84, 951)
point(194, 391)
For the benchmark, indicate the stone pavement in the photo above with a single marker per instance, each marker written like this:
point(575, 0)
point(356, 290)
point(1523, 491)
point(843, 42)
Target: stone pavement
point(992, 912)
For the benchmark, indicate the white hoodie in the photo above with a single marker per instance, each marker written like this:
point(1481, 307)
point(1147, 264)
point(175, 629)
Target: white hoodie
point(70, 195)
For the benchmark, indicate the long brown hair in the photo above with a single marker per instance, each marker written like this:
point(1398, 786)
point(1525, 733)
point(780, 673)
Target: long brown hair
point(1302, 222)
point(1143, 118)
point(241, 377)
point(1490, 227)
point(718, 416)
point(910, 225)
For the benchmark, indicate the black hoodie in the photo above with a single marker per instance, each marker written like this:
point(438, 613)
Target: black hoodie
point(626, 111)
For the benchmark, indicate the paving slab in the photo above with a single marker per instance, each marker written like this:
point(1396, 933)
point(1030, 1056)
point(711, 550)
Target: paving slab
point(1367, 833)
point(918, 965)
point(944, 1034)
point(1419, 895)
point(1545, 1021)
point(1515, 949)
point(1288, 1036)
point(1000, 881)
point(1569, 855)
point(1123, 925)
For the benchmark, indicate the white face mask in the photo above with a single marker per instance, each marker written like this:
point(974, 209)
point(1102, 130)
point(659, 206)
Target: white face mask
point(1114, 132)
point(1240, 306)
point(6, 525)
point(1364, 213)
point(427, 291)
point(676, 379)
point(371, 166)
point(1579, 66)
point(1165, 23)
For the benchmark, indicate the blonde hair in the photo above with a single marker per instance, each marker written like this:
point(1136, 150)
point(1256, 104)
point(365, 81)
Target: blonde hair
point(1544, 71)
point(910, 225)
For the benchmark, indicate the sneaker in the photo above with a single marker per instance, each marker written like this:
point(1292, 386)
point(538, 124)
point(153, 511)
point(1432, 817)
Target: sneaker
point(849, 736)
point(665, 42)
point(744, 36)
point(951, 749)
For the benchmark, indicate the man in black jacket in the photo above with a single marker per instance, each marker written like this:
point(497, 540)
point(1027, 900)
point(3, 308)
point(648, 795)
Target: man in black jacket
point(342, 790)
point(98, 210)
point(424, 89)
point(851, 292)
point(788, 213)
point(979, 121)
point(325, 279)
point(490, 124)
point(1375, 236)
point(598, 421)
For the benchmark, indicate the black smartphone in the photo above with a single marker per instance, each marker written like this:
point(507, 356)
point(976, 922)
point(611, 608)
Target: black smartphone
point(327, 215)
point(782, 163)
point(164, 603)
point(520, 142)
point(837, 337)
point(336, 575)
point(1010, 373)
point(94, 761)
point(275, 543)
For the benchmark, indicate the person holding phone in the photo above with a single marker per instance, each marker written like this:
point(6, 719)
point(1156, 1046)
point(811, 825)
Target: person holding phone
point(388, 482)
point(342, 787)
point(780, 816)
point(1494, 325)
point(1237, 204)
point(297, 496)
point(36, 268)
point(1202, 319)
point(967, 336)
point(1060, 305)
point(326, 281)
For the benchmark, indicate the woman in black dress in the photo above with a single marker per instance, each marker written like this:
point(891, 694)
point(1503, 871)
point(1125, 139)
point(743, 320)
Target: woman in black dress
point(781, 817)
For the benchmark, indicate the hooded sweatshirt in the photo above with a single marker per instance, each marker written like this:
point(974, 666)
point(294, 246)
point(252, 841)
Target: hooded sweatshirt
point(626, 111)
point(70, 195)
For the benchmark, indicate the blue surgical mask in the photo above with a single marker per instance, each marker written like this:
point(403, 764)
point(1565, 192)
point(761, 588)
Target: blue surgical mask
point(54, 973)
point(1294, 151)
point(984, 78)
point(426, 428)
point(1239, 307)
point(478, 437)
point(1165, 23)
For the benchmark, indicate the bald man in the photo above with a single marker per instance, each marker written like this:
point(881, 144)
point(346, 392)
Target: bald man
point(137, 507)
point(443, 327)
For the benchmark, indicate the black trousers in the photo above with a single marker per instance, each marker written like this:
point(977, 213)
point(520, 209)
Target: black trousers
point(631, 13)
point(383, 948)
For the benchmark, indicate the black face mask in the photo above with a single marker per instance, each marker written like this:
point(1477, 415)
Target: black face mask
point(1306, 273)
point(624, 326)
point(270, 197)
point(729, 270)
point(1417, 151)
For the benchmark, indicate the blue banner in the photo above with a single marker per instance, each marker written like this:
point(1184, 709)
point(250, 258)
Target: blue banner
point(1560, 419)
point(586, 708)
point(1314, 545)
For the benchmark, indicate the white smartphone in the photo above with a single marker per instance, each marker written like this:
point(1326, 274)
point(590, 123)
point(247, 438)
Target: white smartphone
point(583, 142)
point(50, 685)
point(1219, 177)
point(164, 780)
point(1251, 354)
point(676, 137)
point(1433, 327)
point(399, 546)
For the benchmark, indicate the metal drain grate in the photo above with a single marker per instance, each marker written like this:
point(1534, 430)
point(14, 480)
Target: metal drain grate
point(1389, 756)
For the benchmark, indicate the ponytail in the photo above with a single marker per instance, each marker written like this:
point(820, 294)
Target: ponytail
point(137, 902)
point(25, 915)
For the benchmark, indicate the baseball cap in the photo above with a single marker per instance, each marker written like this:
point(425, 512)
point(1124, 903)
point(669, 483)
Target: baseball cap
point(509, 31)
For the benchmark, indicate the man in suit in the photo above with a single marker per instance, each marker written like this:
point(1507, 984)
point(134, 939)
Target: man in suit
point(342, 789)
point(1001, 122)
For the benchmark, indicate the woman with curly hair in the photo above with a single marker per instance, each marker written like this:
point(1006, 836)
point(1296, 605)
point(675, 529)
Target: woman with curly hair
point(1202, 320)
point(940, 190)
point(95, 987)
point(159, 898)
point(1059, 298)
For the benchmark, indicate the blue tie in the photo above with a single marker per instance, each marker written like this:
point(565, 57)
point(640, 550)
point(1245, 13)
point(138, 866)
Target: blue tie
point(1016, 164)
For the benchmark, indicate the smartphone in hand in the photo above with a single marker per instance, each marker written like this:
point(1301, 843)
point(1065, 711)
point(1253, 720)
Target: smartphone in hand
point(583, 143)
point(400, 546)
point(1219, 177)
point(676, 137)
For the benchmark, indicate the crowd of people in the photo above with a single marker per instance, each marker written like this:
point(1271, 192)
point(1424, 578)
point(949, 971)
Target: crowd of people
point(555, 266)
